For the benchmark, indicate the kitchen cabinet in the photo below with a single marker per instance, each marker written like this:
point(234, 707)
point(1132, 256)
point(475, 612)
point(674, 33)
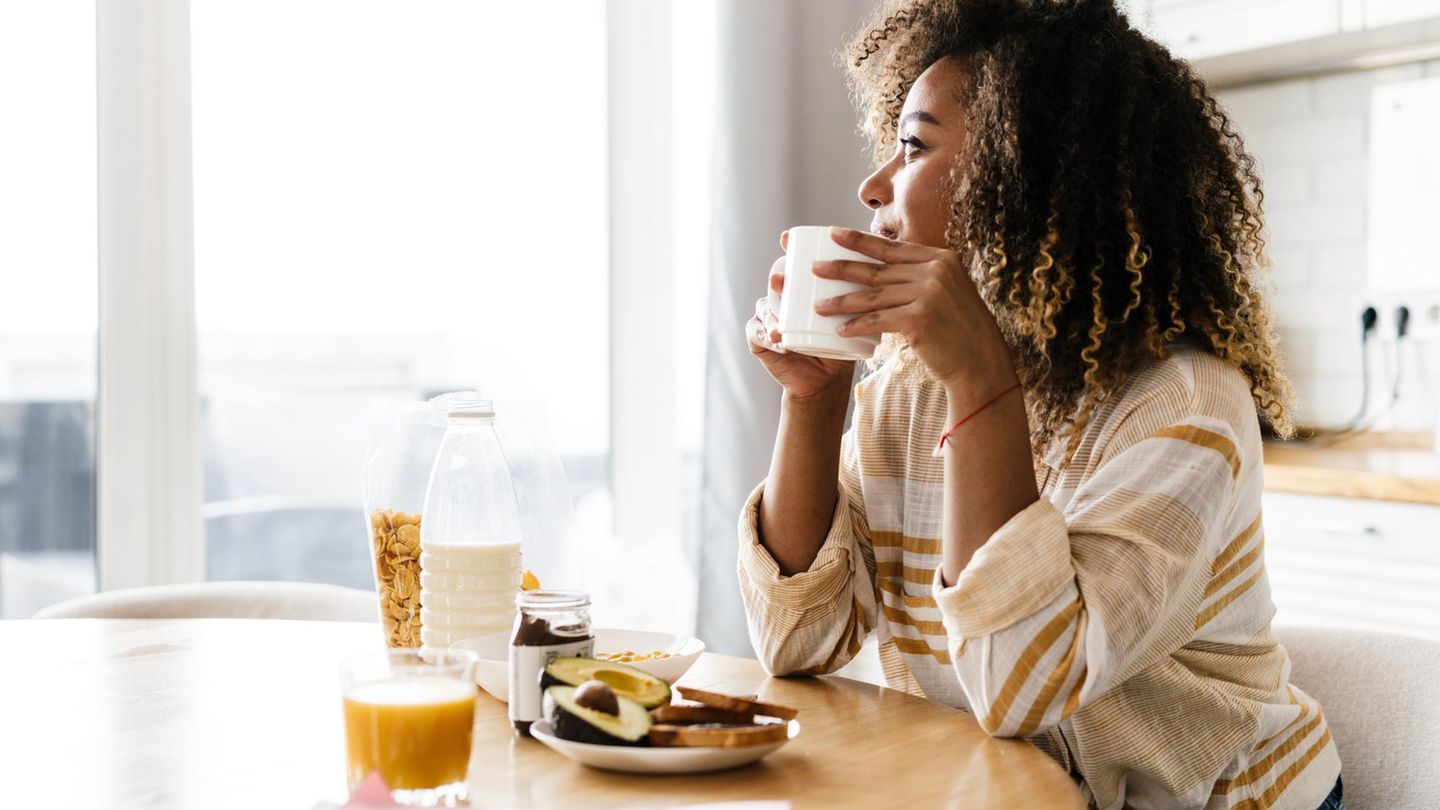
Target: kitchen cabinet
point(1348, 562)
point(1195, 29)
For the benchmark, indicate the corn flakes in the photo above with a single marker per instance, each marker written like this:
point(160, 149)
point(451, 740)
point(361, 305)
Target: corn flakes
point(395, 537)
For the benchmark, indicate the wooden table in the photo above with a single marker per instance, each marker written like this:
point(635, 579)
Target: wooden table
point(228, 713)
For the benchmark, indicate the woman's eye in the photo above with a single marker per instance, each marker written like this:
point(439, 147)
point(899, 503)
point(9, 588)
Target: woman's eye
point(911, 145)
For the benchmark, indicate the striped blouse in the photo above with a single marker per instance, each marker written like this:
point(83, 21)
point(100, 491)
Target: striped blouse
point(1121, 622)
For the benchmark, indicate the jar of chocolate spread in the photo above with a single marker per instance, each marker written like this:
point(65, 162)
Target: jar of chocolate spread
point(548, 625)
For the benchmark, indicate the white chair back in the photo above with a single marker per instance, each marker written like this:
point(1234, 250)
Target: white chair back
point(1381, 696)
point(224, 600)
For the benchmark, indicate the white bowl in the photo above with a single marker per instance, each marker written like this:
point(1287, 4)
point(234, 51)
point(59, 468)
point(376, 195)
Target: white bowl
point(683, 650)
point(492, 670)
point(493, 675)
point(634, 759)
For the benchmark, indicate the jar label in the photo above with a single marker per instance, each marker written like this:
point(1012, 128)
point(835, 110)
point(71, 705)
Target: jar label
point(526, 664)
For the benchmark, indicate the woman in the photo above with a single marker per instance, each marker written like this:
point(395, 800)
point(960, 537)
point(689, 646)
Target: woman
point(1048, 507)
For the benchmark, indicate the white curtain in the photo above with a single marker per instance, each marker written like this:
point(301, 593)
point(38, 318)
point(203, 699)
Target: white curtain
point(787, 152)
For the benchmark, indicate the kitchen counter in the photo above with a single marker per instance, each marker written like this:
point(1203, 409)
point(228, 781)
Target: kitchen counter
point(1397, 466)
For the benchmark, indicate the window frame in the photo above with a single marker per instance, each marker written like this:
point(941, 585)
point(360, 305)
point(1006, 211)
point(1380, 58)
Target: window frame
point(646, 478)
point(148, 474)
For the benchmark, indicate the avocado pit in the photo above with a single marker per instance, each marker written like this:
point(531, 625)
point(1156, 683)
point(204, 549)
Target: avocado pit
point(598, 696)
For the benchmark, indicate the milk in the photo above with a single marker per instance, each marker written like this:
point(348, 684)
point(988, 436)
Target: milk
point(467, 590)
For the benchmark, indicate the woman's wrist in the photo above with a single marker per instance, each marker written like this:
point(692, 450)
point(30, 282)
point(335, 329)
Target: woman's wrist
point(824, 399)
point(987, 371)
point(823, 411)
point(965, 395)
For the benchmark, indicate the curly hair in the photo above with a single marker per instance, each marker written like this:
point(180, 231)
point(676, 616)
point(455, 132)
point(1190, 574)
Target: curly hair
point(1104, 202)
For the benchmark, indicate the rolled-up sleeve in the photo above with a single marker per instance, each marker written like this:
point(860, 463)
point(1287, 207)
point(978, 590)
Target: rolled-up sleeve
point(1059, 606)
point(815, 621)
point(1020, 570)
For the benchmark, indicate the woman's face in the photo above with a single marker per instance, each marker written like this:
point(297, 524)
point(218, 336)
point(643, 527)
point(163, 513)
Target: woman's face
point(910, 194)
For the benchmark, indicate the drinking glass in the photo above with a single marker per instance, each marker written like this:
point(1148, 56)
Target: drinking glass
point(409, 716)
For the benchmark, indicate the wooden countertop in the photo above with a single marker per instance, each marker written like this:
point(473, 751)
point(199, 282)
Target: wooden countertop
point(1401, 467)
point(242, 713)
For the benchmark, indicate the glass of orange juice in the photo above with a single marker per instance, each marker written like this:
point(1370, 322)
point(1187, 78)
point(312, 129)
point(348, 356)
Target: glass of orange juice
point(409, 715)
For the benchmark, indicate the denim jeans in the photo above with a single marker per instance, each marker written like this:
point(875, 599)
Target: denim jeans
point(1332, 802)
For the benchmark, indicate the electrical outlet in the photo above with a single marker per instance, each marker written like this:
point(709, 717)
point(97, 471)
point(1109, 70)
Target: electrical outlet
point(1424, 322)
point(1425, 319)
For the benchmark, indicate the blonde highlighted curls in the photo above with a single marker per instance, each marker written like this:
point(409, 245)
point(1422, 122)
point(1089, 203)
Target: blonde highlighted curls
point(1104, 201)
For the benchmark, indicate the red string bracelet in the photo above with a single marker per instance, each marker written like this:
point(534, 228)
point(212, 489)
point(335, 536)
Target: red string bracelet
point(940, 448)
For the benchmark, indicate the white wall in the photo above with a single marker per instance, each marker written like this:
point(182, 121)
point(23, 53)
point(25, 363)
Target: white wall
point(1311, 138)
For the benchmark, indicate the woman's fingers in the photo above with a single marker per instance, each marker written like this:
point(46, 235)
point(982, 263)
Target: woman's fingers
point(895, 319)
point(869, 300)
point(873, 275)
point(762, 330)
point(767, 316)
point(755, 333)
point(878, 247)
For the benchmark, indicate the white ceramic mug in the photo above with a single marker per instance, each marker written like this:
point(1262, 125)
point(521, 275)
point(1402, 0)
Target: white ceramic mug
point(801, 329)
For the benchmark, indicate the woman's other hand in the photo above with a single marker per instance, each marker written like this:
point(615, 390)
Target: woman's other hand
point(801, 375)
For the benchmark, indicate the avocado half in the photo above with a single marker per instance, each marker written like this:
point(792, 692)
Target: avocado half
point(576, 723)
point(627, 682)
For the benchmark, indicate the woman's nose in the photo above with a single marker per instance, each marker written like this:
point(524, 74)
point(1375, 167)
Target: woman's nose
point(875, 190)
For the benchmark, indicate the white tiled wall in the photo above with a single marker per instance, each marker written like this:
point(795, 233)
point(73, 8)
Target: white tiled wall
point(1310, 137)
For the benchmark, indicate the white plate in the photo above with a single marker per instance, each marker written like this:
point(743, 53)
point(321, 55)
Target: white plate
point(630, 759)
point(493, 675)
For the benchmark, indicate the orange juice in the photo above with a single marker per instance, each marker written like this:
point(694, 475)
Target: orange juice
point(414, 731)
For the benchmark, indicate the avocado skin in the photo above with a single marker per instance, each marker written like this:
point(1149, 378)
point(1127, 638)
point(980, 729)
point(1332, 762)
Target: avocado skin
point(552, 675)
point(569, 725)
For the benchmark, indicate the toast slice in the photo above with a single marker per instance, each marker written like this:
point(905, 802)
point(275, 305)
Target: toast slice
point(690, 714)
point(717, 735)
point(737, 704)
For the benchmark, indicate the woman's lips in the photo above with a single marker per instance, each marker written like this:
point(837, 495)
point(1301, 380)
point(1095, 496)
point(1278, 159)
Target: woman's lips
point(880, 230)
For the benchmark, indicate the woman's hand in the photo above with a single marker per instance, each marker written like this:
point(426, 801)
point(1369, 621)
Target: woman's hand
point(925, 295)
point(801, 375)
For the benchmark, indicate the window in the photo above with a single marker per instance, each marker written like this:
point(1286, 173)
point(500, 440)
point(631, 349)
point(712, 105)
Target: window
point(391, 200)
point(48, 280)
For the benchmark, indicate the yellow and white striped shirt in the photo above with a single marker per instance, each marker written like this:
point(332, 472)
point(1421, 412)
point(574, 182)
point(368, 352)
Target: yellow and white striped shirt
point(1121, 622)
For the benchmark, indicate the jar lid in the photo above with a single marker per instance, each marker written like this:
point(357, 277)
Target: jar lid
point(551, 600)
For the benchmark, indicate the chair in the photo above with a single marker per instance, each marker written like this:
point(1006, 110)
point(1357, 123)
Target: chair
point(1379, 696)
point(224, 600)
